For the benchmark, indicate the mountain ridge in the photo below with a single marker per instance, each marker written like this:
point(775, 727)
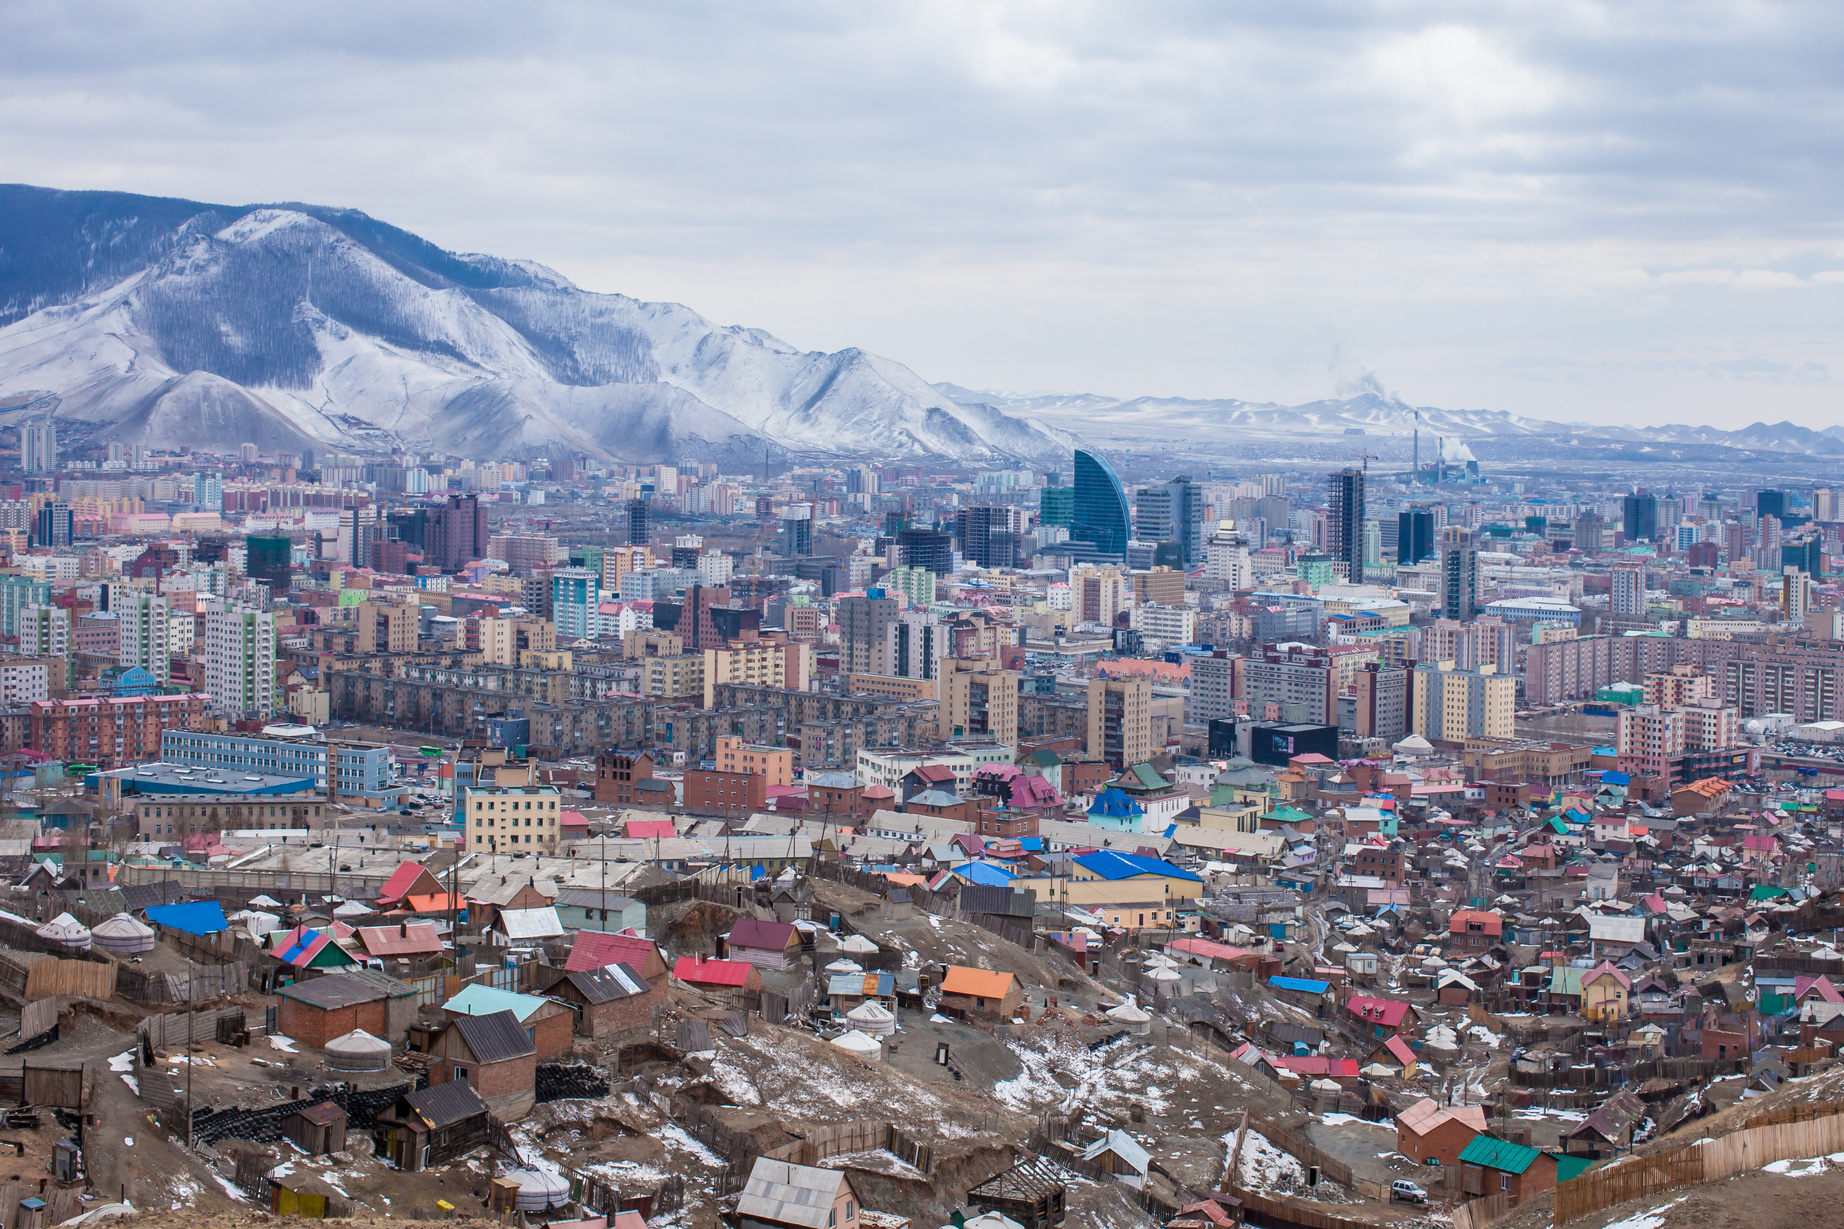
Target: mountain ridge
point(174, 322)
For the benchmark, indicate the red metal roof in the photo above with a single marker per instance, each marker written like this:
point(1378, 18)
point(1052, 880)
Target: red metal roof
point(595, 949)
point(712, 972)
point(408, 939)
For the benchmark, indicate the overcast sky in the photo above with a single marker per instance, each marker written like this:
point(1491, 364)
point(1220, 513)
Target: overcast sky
point(1570, 210)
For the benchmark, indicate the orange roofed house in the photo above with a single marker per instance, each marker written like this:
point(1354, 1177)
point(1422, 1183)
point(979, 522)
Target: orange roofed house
point(1426, 1132)
point(980, 992)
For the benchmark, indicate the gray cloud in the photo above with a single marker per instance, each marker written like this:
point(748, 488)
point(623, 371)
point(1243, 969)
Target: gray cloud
point(1183, 198)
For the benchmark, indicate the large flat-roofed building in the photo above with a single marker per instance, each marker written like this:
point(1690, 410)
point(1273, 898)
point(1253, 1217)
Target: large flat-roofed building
point(291, 751)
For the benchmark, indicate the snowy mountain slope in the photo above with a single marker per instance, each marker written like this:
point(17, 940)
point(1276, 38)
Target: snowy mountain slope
point(175, 322)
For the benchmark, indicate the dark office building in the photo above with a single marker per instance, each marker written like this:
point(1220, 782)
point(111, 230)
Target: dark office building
point(1414, 536)
point(926, 548)
point(693, 619)
point(639, 522)
point(895, 523)
point(1770, 503)
point(409, 526)
point(1171, 512)
point(267, 559)
point(1641, 519)
point(1276, 743)
point(824, 569)
point(53, 526)
point(986, 537)
point(1100, 518)
point(1346, 529)
point(456, 533)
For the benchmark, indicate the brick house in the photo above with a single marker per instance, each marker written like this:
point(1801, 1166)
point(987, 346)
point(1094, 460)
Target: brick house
point(609, 1000)
point(1491, 1166)
point(1426, 1132)
point(1473, 931)
point(980, 992)
point(942, 805)
point(617, 773)
point(837, 795)
point(552, 1026)
point(497, 1058)
point(727, 795)
point(316, 1011)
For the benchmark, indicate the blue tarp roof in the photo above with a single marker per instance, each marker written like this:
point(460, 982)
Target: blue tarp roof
point(302, 945)
point(1616, 778)
point(1111, 865)
point(986, 873)
point(1302, 984)
point(196, 917)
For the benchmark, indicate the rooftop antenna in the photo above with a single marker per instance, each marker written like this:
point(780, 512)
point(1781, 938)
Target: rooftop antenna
point(1415, 472)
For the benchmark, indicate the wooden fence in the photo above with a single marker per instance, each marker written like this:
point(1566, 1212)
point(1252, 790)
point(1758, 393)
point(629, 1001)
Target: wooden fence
point(54, 976)
point(1302, 1150)
point(1785, 1134)
point(162, 1032)
point(1478, 1213)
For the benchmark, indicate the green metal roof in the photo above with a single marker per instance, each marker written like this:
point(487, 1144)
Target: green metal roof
point(1566, 980)
point(1499, 1154)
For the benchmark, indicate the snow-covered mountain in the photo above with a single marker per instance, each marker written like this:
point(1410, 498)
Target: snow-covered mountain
point(172, 322)
point(1104, 418)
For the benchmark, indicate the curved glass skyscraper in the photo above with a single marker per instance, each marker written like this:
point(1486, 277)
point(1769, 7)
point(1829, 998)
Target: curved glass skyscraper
point(1101, 516)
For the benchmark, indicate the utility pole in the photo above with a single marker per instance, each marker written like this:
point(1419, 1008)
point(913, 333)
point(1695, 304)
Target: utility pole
point(190, 1016)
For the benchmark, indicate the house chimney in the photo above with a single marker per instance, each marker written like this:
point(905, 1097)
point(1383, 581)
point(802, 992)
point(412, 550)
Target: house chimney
point(406, 930)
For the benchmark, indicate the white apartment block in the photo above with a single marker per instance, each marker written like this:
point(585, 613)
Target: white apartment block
point(240, 661)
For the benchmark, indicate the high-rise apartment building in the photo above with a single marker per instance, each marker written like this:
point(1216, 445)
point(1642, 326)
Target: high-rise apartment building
point(1627, 590)
point(1452, 705)
point(1120, 719)
point(1172, 512)
point(865, 641)
point(456, 533)
point(503, 642)
point(576, 603)
point(143, 639)
point(978, 700)
point(240, 661)
point(38, 447)
point(44, 631)
point(1226, 558)
point(525, 553)
point(1588, 533)
point(54, 526)
point(1097, 594)
point(989, 535)
point(797, 530)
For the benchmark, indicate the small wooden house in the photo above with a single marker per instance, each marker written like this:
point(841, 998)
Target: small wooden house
point(318, 1129)
point(767, 945)
point(432, 1126)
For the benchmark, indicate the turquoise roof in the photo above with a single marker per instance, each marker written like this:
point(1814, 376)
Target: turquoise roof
point(486, 1000)
point(1499, 1154)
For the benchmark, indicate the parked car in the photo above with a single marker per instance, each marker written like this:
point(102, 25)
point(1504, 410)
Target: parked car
point(1404, 1191)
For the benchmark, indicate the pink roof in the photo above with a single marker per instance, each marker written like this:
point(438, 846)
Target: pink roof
point(1399, 1050)
point(1760, 841)
point(1206, 949)
point(1820, 985)
point(1606, 969)
point(572, 819)
point(595, 949)
point(711, 972)
point(1378, 1011)
point(409, 939)
point(1315, 1065)
point(648, 829)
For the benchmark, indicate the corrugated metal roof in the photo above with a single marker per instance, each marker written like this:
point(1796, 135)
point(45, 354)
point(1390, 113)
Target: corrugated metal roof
point(442, 1105)
point(495, 1038)
point(522, 924)
point(789, 1194)
point(478, 1000)
point(1499, 1154)
point(605, 985)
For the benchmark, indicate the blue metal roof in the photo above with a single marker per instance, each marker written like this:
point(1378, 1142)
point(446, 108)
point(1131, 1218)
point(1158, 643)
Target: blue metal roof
point(1304, 985)
point(197, 917)
point(1111, 865)
point(1115, 804)
point(987, 873)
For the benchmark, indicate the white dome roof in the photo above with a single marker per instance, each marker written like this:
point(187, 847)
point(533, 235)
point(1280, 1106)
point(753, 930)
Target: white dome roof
point(358, 1041)
point(1414, 744)
point(122, 926)
point(869, 1012)
point(65, 929)
point(1127, 1013)
point(856, 1042)
point(845, 966)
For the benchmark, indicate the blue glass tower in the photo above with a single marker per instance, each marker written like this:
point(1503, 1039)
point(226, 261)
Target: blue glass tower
point(1101, 516)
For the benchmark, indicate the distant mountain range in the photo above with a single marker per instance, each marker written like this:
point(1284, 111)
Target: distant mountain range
point(178, 323)
point(171, 322)
point(1102, 418)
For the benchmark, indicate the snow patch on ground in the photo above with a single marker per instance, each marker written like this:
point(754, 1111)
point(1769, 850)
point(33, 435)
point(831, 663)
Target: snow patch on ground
point(682, 1138)
point(1648, 1220)
point(1339, 1120)
point(285, 1044)
point(1804, 1168)
point(230, 1188)
point(122, 1062)
point(1263, 1166)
